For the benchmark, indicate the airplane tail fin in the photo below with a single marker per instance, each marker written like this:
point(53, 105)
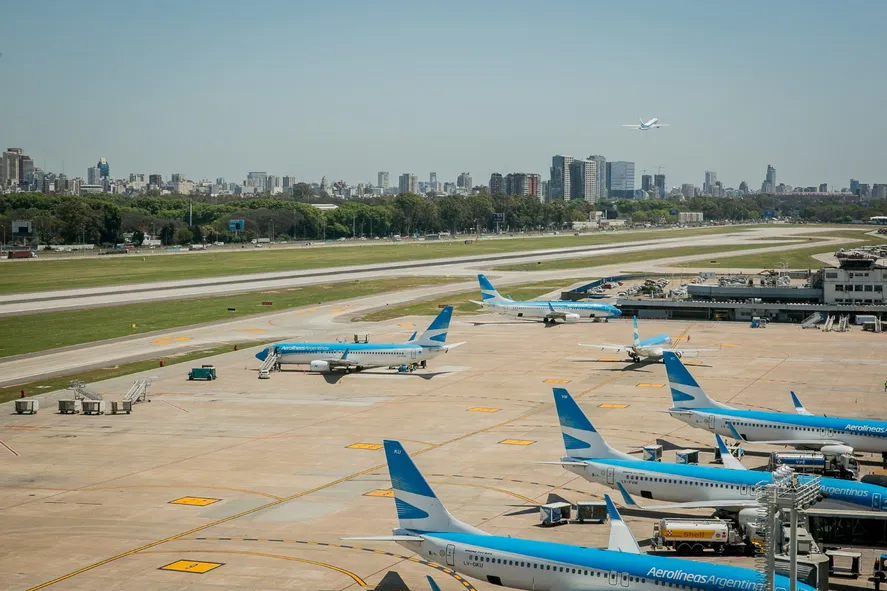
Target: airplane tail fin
point(685, 391)
point(637, 336)
point(436, 334)
point(487, 291)
point(581, 439)
point(418, 508)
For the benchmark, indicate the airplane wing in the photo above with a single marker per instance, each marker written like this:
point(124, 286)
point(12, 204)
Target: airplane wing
point(799, 408)
point(721, 504)
point(729, 460)
point(553, 314)
point(621, 538)
point(476, 302)
point(788, 442)
point(633, 126)
point(579, 464)
point(662, 125)
point(342, 361)
point(616, 348)
point(694, 352)
point(402, 538)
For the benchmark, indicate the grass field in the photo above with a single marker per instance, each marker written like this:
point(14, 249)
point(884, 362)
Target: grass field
point(40, 332)
point(460, 301)
point(95, 375)
point(801, 258)
point(625, 257)
point(42, 275)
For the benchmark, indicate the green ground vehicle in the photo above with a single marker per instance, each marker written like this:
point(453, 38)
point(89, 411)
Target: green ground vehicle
point(204, 372)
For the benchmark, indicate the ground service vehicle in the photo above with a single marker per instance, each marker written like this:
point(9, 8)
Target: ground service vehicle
point(204, 372)
point(825, 463)
point(693, 536)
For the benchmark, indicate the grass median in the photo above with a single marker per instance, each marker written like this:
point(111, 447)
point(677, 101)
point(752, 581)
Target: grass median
point(42, 275)
point(461, 301)
point(30, 333)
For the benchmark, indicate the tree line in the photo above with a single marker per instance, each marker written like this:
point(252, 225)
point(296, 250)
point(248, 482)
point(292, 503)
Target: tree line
point(103, 219)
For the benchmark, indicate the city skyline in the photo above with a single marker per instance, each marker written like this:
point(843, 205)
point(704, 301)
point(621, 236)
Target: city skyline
point(784, 89)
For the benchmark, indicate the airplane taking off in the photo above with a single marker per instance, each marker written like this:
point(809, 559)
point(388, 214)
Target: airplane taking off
point(549, 311)
point(802, 430)
point(688, 486)
point(644, 126)
point(650, 348)
point(347, 356)
point(428, 529)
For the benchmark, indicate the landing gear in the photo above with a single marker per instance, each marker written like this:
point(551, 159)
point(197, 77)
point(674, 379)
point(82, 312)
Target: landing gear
point(636, 358)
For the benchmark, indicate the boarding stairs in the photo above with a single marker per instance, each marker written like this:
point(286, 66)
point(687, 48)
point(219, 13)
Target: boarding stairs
point(138, 392)
point(844, 323)
point(814, 319)
point(828, 324)
point(271, 363)
point(877, 324)
point(81, 392)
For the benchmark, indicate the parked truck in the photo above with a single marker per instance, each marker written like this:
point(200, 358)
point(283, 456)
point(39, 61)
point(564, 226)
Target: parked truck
point(694, 536)
point(825, 463)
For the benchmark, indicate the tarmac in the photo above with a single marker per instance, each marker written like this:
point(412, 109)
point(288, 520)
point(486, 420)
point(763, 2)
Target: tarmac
point(242, 483)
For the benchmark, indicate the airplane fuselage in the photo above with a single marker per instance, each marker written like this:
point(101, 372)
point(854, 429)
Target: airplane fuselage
point(358, 354)
point(651, 348)
point(860, 434)
point(685, 483)
point(572, 311)
point(547, 566)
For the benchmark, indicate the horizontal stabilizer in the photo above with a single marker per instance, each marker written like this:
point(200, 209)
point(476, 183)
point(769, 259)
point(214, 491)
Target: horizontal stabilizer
point(453, 345)
point(607, 347)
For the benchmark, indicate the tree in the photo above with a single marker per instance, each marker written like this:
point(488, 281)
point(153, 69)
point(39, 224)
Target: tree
point(138, 237)
point(184, 236)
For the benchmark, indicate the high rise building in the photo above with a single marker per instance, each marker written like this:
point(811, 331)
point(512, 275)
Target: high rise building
point(432, 179)
point(289, 182)
point(10, 168)
point(559, 185)
point(496, 187)
point(711, 178)
point(382, 180)
point(178, 177)
point(583, 180)
point(659, 183)
point(408, 183)
point(464, 181)
point(743, 188)
point(620, 179)
point(854, 186)
point(646, 182)
point(93, 176)
point(258, 180)
point(823, 187)
point(769, 184)
point(601, 166)
point(688, 190)
point(534, 185)
point(155, 179)
point(272, 183)
point(104, 169)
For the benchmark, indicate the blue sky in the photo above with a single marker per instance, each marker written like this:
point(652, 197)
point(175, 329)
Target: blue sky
point(346, 88)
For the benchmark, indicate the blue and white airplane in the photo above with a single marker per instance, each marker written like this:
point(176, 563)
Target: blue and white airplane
point(688, 486)
point(644, 126)
point(428, 529)
point(649, 348)
point(692, 405)
point(347, 356)
point(549, 311)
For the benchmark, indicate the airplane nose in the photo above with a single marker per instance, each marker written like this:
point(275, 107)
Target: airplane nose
point(616, 311)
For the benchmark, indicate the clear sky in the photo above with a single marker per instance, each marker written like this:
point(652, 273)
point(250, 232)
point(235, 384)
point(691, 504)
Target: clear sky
point(348, 88)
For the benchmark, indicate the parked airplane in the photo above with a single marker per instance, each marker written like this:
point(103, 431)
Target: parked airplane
point(688, 486)
point(830, 434)
point(644, 126)
point(549, 311)
point(650, 348)
point(428, 529)
point(348, 356)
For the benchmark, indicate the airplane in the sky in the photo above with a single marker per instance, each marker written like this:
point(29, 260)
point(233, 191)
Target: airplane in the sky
point(650, 348)
point(688, 486)
point(548, 311)
point(837, 435)
point(428, 529)
point(644, 126)
point(347, 356)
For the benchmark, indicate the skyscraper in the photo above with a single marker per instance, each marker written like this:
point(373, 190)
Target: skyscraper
point(257, 180)
point(854, 186)
point(620, 179)
point(769, 184)
point(583, 180)
point(659, 183)
point(534, 185)
point(10, 168)
point(383, 180)
point(559, 186)
point(464, 181)
point(93, 176)
point(711, 178)
point(496, 187)
point(646, 182)
point(155, 179)
point(432, 178)
point(601, 166)
point(408, 183)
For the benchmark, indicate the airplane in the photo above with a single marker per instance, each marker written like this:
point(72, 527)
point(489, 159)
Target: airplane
point(801, 430)
point(548, 311)
point(325, 357)
point(429, 530)
point(650, 348)
point(729, 489)
point(644, 126)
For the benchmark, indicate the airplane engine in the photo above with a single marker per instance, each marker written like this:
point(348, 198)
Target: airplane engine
point(837, 450)
point(678, 353)
point(319, 366)
point(571, 318)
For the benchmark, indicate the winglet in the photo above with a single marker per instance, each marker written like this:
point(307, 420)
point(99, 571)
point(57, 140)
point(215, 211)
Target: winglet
point(621, 538)
point(730, 461)
point(344, 355)
point(736, 434)
point(799, 408)
point(626, 498)
point(432, 583)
